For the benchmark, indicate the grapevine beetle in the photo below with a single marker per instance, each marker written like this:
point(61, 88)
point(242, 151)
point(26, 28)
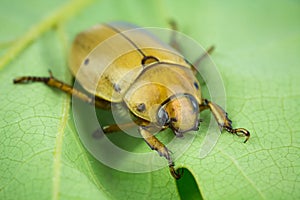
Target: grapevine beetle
point(160, 88)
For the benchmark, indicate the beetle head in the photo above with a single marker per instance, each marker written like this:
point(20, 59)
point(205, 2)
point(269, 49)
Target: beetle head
point(180, 114)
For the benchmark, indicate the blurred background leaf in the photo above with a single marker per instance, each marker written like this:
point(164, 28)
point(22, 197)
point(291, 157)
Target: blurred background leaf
point(257, 53)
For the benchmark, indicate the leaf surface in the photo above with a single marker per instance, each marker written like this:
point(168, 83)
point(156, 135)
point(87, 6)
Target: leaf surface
point(257, 54)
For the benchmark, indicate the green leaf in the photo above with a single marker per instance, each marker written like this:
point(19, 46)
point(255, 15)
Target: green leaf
point(257, 53)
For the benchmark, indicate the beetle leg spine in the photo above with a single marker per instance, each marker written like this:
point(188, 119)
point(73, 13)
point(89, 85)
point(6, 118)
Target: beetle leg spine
point(26, 79)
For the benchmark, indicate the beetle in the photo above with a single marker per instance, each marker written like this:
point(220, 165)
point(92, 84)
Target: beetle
point(158, 87)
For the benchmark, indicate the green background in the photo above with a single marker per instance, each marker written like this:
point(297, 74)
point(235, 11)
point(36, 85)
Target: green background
point(257, 53)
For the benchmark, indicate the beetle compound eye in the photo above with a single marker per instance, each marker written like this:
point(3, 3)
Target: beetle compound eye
point(194, 103)
point(162, 117)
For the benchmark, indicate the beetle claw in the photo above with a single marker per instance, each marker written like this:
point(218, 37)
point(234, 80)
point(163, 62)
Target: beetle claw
point(177, 175)
point(241, 132)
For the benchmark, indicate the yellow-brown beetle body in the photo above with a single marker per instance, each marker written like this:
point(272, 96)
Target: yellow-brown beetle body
point(121, 64)
point(155, 71)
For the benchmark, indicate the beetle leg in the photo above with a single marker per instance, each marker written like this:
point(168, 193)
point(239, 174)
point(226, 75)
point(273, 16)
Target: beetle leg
point(201, 58)
point(111, 129)
point(158, 146)
point(173, 41)
point(53, 82)
point(223, 121)
point(117, 127)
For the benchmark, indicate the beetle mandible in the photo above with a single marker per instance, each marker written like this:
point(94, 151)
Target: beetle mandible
point(173, 86)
